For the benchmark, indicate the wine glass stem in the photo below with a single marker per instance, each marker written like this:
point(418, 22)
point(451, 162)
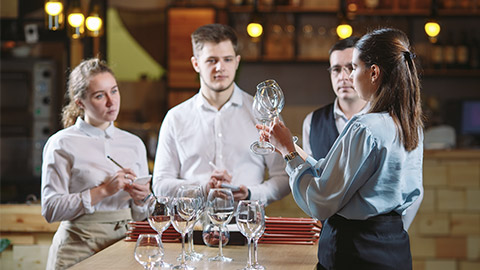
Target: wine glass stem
point(255, 255)
point(249, 262)
point(183, 248)
point(220, 242)
point(190, 241)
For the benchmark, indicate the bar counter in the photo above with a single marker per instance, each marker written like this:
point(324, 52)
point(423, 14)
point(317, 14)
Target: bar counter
point(120, 256)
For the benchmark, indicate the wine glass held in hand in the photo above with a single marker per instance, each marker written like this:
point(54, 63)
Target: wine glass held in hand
point(220, 207)
point(184, 211)
point(149, 250)
point(249, 217)
point(159, 215)
point(267, 105)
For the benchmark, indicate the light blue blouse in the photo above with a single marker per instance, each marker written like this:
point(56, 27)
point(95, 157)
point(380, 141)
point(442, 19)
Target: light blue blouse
point(367, 172)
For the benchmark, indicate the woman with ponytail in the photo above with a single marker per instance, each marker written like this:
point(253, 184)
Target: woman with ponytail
point(81, 187)
point(372, 175)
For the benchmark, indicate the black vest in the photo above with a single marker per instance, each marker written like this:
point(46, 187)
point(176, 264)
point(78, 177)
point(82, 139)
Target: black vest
point(323, 131)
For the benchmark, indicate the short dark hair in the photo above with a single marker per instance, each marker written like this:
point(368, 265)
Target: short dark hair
point(213, 33)
point(344, 44)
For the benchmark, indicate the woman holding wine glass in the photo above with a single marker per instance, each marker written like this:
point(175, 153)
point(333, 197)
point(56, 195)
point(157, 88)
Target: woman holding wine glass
point(220, 207)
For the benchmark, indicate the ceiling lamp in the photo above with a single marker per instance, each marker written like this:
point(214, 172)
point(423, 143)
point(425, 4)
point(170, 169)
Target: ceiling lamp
point(75, 20)
point(255, 28)
point(54, 14)
point(94, 20)
point(344, 30)
point(432, 27)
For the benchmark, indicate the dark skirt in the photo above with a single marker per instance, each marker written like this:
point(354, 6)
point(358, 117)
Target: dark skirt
point(376, 243)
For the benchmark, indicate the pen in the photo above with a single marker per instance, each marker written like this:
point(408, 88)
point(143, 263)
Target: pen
point(116, 163)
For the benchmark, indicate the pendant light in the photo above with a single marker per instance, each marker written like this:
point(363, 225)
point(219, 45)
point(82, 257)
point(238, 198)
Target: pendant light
point(94, 22)
point(75, 20)
point(54, 14)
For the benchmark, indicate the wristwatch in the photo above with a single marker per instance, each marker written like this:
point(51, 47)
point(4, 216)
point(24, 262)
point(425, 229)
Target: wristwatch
point(291, 156)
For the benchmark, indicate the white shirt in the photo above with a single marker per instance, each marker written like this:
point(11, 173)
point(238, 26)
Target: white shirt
point(340, 122)
point(75, 161)
point(195, 133)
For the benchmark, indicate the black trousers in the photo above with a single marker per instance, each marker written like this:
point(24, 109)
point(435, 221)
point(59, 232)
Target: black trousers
point(376, 243)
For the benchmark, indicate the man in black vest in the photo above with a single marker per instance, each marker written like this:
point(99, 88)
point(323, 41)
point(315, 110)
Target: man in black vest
point(322, 127)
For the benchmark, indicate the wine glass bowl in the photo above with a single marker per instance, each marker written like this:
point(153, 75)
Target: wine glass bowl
point(149, 250)
point(220, 207)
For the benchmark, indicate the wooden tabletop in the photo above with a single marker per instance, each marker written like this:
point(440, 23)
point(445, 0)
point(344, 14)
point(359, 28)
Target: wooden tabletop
point(120, 256)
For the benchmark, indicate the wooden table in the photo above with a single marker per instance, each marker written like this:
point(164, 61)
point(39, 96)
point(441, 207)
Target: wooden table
point(120, 256)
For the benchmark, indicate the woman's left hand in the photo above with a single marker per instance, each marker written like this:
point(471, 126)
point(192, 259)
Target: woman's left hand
point(138, 192)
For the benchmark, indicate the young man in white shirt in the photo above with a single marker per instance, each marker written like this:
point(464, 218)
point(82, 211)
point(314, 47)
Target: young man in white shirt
point(205, 140)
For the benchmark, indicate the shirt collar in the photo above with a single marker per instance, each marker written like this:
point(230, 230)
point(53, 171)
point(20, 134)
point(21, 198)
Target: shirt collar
point(94, 131)
point(338, 113)
point(235, 99)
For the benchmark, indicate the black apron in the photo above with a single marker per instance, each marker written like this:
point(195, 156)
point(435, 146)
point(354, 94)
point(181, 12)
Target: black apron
point(379, 242)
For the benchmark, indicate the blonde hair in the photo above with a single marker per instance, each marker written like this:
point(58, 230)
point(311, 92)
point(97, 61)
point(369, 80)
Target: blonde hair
point(78, 83)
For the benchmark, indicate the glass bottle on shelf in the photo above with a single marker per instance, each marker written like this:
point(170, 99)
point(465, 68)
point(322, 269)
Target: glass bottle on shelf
point(288, 41)
point(461, 52)
point(321, 44)
point(437, 54)
point(449, 51)
point(306, 42)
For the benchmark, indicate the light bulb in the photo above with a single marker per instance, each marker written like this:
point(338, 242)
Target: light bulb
point(53, 8)
point(432, 28)
point(93, 23)
point(76, 19)
point(344, 30)
point(254, 29)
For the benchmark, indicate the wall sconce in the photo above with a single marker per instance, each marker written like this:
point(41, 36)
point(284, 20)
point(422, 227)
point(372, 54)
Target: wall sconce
point(54, 14)
point(432, 27)
point(94, 20)
point(75, 20)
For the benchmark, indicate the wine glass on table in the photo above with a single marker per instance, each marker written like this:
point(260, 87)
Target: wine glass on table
point(190, 254)
point(159, 215)
point(220, 207)
point(184, 209)
point(249, 217)
point(257, 236)
point(149, 250)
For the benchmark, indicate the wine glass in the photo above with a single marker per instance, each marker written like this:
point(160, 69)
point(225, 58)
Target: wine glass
point(249, 218)
point(268, 102)
point(220, 207)
point(149, 250)
point(263, 116)
point(190, 254)
point(159, 215)
point(257, 236)
point(185, 207)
